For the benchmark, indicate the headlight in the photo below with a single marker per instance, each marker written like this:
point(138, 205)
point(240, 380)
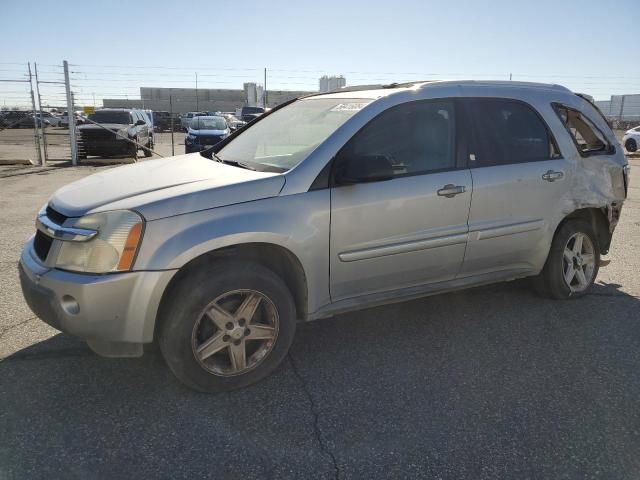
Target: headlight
point(113, 249)
point(122, 134)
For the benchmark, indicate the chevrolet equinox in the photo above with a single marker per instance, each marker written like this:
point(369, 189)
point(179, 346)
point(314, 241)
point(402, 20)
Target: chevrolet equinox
point(325, 204)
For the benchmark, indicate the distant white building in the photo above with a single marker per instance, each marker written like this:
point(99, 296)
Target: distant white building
point(621, 107)
point(251, 94)
point(329, 84)
point(254, 94)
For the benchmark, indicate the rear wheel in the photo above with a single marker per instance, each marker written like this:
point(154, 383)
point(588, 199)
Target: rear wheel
point(572, 264)
point(631, 145)
point(148, 153)
point(227, 326)
point(133, 149)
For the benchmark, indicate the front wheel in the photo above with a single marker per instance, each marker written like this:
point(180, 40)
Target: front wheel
point(147, 151)
point(631, 145)
point(572, 264)
point(226, 326)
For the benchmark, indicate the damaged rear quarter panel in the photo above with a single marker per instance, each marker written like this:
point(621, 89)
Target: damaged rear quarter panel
point(596, 180)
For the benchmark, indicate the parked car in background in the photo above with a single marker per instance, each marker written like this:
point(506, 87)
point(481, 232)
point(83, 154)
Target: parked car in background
point(204, 132)
point(162, 121)
point(330, 203)
point(185, 120)
point(177, 123)
point(248, 114)
point(149, 117)
point(234, 122)
point(53, 120)
point(109, 138)
point(21, 119)
point(250, 117)
point(80, 119)
point(631, 139)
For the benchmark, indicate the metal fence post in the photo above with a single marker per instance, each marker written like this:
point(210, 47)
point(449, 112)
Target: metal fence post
point(70, 115)
point(172, 128)
point(621, 108)
point(36, 135)
point(42, 126)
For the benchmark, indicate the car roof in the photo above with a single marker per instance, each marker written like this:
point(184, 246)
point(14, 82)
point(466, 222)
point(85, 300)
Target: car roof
point(115, 110)
point(378, 91)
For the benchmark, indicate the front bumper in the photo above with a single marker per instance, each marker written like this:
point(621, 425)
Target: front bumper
point(117, 308)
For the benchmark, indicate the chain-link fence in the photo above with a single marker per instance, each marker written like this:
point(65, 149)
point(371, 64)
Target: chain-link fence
point(19, 126)
point(81, 112)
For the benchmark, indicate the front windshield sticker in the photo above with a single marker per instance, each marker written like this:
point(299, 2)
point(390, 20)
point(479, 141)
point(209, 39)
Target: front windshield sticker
point(348, 107)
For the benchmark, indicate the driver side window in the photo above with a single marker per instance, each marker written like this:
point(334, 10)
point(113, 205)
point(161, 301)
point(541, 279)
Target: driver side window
point(414, 138)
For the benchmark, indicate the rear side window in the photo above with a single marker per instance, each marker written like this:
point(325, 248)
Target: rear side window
point(414, 137)
point(507, 132)
point(586, 136)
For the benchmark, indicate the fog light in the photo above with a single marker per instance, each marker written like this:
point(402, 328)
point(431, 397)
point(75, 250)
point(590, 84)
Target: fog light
point(70, 305)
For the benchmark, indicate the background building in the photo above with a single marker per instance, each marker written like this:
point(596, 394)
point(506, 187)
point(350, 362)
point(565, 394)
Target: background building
point(181, 100)
point(621, 107)
point(328, 84)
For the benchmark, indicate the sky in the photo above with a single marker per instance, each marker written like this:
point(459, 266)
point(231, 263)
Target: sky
point(116, 46)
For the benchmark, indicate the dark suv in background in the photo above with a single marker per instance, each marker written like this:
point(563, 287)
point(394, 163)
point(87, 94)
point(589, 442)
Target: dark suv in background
point(114, 127)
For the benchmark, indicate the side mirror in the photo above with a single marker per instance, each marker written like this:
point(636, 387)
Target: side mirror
point(140, 123)
point(363, 169)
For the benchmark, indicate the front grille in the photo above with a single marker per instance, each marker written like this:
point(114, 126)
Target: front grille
point(55, 217)
point(89, 135)
point(209, 140)
point(42, 245)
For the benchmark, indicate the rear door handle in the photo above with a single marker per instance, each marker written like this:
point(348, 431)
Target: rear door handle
point(552, 175)
point(450, 190)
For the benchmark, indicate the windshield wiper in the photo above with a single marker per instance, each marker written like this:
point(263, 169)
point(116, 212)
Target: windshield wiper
point(235, 163)
point(217, 158)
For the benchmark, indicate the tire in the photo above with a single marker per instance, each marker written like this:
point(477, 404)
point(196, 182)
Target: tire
point(148, 153)
point(631, 145)
point(133, 149)
point(552, 281)
point(185, 329)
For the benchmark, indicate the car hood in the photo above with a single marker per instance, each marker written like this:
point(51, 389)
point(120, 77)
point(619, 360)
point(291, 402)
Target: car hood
point(201, 133)
point(632, 132)
point(110, 126)
point(166, 187)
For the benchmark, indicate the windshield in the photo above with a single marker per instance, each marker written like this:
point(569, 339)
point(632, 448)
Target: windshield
point(285, 137)
point(208, 123)
point(102, 116)
point(246, 110)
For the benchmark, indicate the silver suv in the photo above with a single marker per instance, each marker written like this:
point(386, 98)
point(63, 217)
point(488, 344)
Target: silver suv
point(326, 204)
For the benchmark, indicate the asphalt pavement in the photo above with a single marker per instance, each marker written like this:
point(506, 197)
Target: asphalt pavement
point(491, 382)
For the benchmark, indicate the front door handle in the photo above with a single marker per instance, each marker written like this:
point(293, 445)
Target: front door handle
point(552, 175)
point(450, 190)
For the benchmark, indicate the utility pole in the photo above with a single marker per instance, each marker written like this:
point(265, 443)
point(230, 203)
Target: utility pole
point(36, 117)
point(264, 94)
point(510, 76)
point(197, 104)
point(70, 115)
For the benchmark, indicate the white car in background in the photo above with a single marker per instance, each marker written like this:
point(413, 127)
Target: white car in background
point(52, 119)
point(631, 139)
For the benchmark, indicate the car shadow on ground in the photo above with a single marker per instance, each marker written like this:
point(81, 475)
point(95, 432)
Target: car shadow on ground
point(492, 382)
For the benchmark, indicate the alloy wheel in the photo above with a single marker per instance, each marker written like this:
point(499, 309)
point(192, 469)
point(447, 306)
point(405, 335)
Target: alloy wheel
point(578, 262)
point(235, 332)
